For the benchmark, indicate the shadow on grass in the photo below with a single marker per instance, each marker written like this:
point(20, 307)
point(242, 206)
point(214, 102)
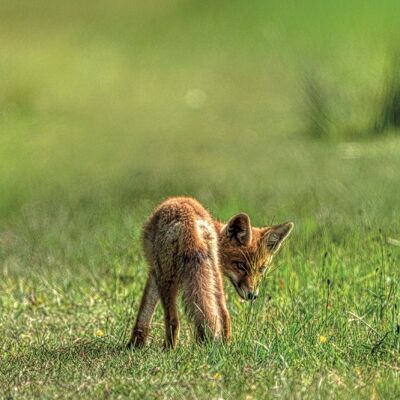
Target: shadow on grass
point(82, 352)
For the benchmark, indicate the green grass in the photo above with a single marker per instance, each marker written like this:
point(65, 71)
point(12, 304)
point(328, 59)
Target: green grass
point(107, 109)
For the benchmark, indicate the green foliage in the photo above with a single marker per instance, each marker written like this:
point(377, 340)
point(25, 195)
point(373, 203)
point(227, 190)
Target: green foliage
point(107, 108)
point(389, 114)
point(317, 110)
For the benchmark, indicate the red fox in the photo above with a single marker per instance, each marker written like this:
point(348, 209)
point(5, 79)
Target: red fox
point(186, 249)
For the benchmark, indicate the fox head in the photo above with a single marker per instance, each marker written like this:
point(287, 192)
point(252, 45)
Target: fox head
point(246, 252)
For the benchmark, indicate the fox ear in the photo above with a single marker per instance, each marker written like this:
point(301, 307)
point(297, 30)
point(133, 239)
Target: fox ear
point(275, 235)
point(238, 229)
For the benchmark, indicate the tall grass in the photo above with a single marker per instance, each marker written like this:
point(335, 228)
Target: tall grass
point(316, 111)
point(326, 113)
point(388, 115)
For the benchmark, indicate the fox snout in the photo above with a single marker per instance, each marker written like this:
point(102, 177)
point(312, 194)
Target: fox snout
point(252, 295)
point(245, 292)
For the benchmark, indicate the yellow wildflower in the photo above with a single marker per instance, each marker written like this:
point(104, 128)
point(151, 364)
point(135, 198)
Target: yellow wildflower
point(217, 376)
point(100, 333)
point(323, 339)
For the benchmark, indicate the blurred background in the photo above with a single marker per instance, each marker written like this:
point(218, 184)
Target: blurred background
point(284, 109)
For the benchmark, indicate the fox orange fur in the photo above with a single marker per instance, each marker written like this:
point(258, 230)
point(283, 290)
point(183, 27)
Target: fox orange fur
point(186, 249)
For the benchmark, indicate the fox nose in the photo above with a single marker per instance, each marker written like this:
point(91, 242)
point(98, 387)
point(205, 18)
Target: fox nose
point(252, 296)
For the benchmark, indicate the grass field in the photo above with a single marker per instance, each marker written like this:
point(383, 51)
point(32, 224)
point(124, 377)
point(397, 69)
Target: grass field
point(106, 108)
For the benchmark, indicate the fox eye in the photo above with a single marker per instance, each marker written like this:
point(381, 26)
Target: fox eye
point(241, 266)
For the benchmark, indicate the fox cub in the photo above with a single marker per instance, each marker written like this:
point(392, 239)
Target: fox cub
point(186, 249)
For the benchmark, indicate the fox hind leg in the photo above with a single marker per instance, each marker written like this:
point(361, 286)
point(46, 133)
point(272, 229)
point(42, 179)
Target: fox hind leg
point(147, 306)
point(169, 294)
point(201, 300)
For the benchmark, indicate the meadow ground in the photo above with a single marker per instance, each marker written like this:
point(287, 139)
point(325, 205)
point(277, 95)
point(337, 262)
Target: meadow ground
point(107, 109)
